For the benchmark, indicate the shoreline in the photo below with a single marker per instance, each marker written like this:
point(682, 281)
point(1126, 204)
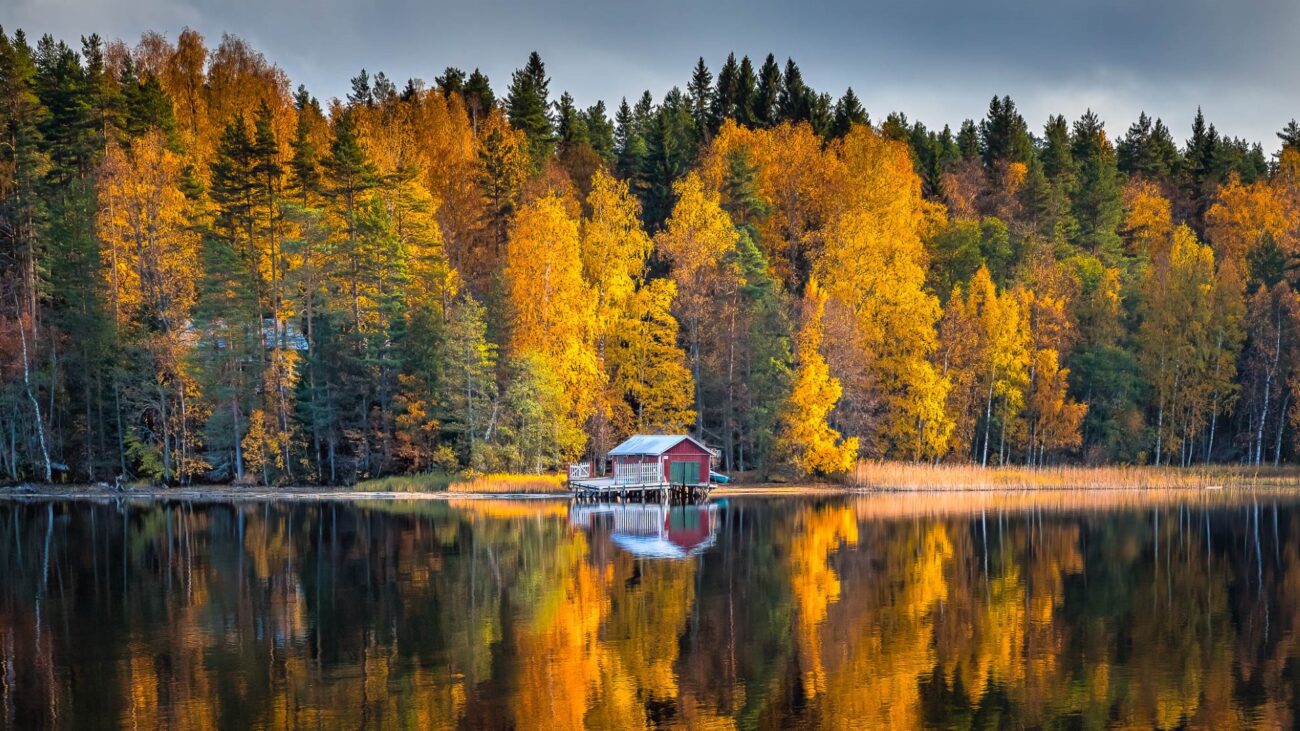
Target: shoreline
point(320, 494)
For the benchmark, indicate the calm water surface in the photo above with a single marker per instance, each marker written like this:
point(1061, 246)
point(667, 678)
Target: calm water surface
point(1060, 610)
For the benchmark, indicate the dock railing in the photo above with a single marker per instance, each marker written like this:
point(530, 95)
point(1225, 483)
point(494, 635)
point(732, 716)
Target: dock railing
point(638, 474)
point(579, 471)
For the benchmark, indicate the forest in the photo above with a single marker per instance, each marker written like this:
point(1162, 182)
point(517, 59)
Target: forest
point(209, 275)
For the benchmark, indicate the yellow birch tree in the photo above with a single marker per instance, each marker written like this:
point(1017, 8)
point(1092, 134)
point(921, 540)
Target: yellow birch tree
point(807, 440)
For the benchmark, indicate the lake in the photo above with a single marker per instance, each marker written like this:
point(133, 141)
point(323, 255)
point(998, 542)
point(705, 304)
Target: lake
point(1068, 609)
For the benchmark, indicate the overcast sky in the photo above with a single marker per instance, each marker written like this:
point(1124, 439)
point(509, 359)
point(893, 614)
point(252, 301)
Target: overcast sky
point(936, 61)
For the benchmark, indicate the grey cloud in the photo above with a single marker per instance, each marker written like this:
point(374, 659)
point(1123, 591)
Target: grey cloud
point(937, 61)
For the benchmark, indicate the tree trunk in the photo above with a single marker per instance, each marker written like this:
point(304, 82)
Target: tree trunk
point(121, 431)
point(166, 435)
point(31, 396)
point(988, 422)
point(239, 449)
point(1281, 429)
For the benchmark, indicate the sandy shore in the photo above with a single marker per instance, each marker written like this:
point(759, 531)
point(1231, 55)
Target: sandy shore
point(227, 492)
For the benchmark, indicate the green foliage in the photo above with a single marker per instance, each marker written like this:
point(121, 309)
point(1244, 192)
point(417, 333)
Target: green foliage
point(700, 91)
point(1148, 150)
point(1097, 204)
point(767, 358)
point(848, 112)
point(1003, 135)
point(467, 380)
point(529, 107)
point(965, 246)
point(670, 148)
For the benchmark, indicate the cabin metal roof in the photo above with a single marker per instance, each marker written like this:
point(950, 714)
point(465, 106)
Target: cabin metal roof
point(652, 445)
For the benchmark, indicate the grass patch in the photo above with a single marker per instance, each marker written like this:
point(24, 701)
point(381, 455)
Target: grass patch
point(423, 482)
point(444, 482)
point(507, 483)
point(908, 476)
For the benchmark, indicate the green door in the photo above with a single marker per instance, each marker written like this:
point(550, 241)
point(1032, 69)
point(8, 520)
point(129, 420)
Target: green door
point(684, 473)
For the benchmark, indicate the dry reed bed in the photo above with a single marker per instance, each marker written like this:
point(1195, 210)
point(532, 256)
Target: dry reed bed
point(507, 484)
point(493, 484)
point(988, 503)
point(944, 477)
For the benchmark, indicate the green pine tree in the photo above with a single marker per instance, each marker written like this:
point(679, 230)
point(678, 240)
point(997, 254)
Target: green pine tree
point(529, 109)
point(767, 100)
point(848, 112)
point(1098, 204)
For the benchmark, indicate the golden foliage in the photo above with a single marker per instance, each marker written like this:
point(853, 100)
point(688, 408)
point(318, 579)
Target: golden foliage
point(647, 369)
point(1244, 215)
point(1147, 219)
point(151, 251)
point(551, 310)
point(873, 267)
point(806, 439)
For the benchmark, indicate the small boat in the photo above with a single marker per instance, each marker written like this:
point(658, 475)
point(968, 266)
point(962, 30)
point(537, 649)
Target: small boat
point(718, 477)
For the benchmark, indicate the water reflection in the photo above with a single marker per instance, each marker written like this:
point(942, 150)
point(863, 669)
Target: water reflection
point(882, 611)
point(651, 530)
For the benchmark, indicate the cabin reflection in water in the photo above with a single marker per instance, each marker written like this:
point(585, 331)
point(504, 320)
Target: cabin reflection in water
point(652, 530)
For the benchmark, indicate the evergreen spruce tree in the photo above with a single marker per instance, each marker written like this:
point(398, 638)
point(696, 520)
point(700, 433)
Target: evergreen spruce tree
point(570, 124)
point(896, 127)
point(528, 107)
point(968, 140)
point(145, 107)
point(740, 187)
point(383, 91)
point(1004, 137)
point(670, 147)
point(848, 112)
point(479, 98)
point(68, 129)
point(467, 378)
point(450, 81)
point(1098, 204)
point(767, 101)
point(1290, 136)
point(73, 138)
point(950, 152)
point(726, 97)
point(629, 144)
point(746, 94)
point(795, 100)
point(1147, 150)
point(700, 91)
point(1197, 178)
point(232, 188)
point(821, 112)
point(767, 359)
point(228, 314)
point(361, 93)
point(600, 132)
point(304, 165)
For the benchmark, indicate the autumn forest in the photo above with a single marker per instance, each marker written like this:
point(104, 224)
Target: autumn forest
point(208, 274)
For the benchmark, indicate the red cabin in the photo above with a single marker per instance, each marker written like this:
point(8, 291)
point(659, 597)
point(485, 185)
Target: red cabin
point(650, 459)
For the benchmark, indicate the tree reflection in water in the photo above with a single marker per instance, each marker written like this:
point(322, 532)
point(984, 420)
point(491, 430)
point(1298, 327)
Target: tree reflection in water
point(830, 612)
